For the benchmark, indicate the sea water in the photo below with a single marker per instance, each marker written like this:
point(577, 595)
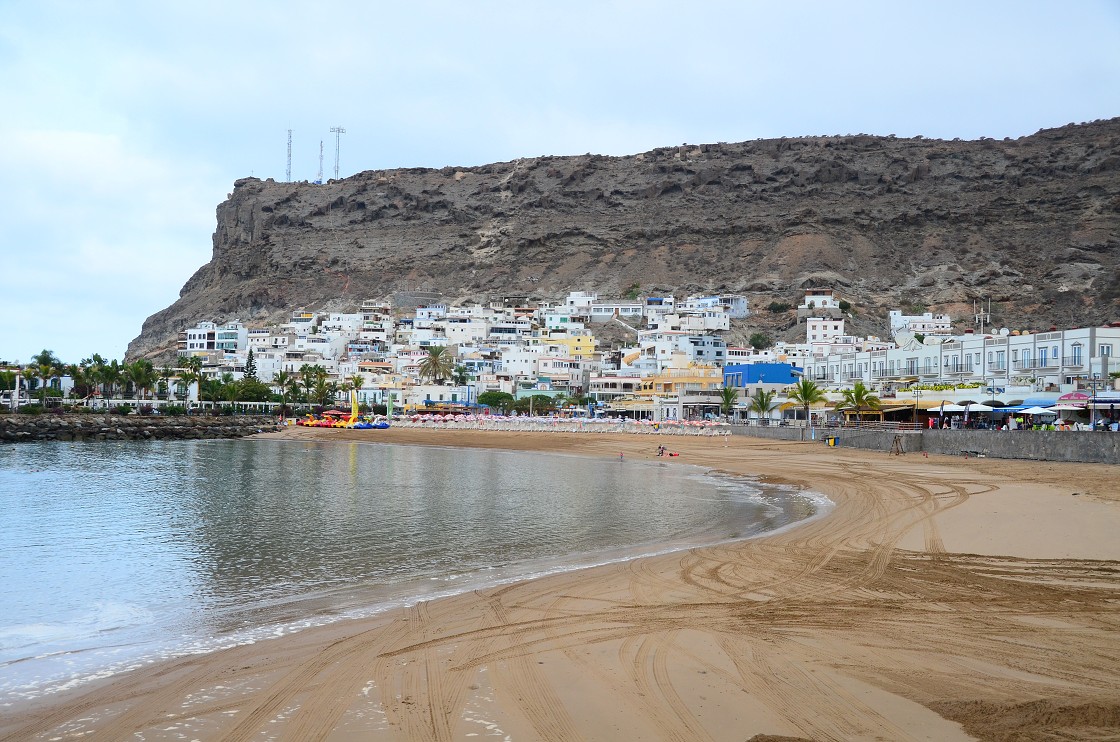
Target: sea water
point(113, 554)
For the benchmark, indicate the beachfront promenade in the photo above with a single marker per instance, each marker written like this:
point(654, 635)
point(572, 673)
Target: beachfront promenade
point(1036, 445)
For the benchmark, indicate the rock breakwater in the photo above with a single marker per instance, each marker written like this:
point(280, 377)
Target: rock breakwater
point(20, 428)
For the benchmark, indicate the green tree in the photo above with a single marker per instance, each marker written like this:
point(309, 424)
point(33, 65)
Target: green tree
point(188, 377)
point(437, 365)
point(283, 382)
point(760, 341)
point(45, 366)
point(537, 404)
point(312, 376)
point(858, 398)
point(728, 396)
point(231, 390)
point(460, 376)
point(324, 392)
point(252, 389)
point(81, 377)
point(211, 390)
point(8, 381)
point(250, 366)
point(498, 400)
point(166, 374)
point(762, 403)
point(357, 381)
point(806, 393)
point(109, 376)
point(143, 376)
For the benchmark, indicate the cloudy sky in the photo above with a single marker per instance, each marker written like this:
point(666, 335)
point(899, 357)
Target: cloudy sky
point(124, 124)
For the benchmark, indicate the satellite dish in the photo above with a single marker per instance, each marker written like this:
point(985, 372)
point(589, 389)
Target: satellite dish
point(1004, 331)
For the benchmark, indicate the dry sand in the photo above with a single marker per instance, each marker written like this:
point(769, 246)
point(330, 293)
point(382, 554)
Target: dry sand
point(942, 599)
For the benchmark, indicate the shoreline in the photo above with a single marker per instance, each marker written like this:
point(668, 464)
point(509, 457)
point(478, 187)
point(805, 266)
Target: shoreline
point(888, 617)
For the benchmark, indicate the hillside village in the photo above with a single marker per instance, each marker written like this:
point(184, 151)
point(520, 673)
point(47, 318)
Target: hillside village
point(671, 363)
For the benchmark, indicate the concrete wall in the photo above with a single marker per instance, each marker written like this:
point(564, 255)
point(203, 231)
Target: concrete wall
point(1038, 445)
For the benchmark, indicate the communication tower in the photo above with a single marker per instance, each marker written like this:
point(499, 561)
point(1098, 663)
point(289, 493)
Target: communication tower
point(980, 316)
point(289, 170)
point(337, 131)
point(319, 178)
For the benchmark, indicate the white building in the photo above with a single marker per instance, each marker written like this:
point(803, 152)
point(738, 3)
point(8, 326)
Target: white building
point(201, 339)
point(232, 337)
point(734, 305)
point(819, 303)
point(920, 324)
point(1059, 361)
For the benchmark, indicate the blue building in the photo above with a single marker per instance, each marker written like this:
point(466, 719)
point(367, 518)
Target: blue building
point(742, 375)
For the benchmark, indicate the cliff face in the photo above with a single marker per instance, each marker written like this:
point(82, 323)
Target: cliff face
point(1031, 224)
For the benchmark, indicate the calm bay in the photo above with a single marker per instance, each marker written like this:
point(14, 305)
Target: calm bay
point(114, 554)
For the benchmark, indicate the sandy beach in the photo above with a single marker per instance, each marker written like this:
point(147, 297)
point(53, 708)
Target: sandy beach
point(942, 599)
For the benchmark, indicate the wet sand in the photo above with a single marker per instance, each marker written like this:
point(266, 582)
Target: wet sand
point(942, 599)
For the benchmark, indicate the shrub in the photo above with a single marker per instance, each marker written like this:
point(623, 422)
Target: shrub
point(174, 410)
point(30, 409)
point(845, 305)
point(760, 340)
point(121, 409)
point(778, 306)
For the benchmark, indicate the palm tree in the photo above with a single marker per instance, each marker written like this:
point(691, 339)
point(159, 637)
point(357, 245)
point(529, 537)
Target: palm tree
point(762, 403)
point(806, 393)
point(109, 375)
point(460, 376)
point(311, 376)
point(858, 398)
point(231, 392)
point(323, 392)
point(357, 381)
point(165, 375)
point(143, 376)
point(728, 396)
point(437, 365)
point(186, 378)
point(45, 365)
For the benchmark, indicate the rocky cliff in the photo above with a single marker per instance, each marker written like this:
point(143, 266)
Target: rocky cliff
point(1031, 224)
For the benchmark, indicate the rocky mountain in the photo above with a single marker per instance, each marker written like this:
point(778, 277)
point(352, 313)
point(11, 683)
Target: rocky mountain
point(1033, 224)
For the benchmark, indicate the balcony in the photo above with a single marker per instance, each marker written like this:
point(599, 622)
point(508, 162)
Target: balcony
point(1075, 361)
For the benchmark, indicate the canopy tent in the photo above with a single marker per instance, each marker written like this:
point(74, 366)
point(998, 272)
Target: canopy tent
point(1031, 402)
point(1074, 397)
point(1037, 411)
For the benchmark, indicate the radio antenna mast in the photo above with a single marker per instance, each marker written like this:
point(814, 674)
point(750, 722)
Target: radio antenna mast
point(337, 131)
point(981, 317)
point(289, 171)
point(319, 178)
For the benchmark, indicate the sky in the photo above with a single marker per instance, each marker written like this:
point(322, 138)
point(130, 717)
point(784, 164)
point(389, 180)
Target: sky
point(124, 124)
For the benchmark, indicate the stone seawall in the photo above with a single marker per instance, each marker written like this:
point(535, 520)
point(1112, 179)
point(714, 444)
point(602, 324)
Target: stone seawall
point(1035, 445)
point(19, 428)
